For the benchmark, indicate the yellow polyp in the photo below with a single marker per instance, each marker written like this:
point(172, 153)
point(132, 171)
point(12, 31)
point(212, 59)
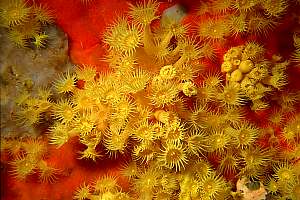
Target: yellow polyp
point(90, 153)
point(130, 170)
point(35, 148)
point(65, 83)
point(164, 94)
point(106, 184)
point(236, 75)
point(145, 152)
point(275, 8)
point(212, 186)
point(47, 174)
point(85, 122)
point(246, 66)
point(14, 12)
point(252, 51)
point(214, 30)
point(162, 116)
point(167, 72)
point(181, 126)
point(173, 156)
point(59, 134)
point(135, 81)
point(116, 143)
point(83, 192)
point(64, 111)
point(186, 72)
point(189, 89)
point(226, 67)
point(43, 14)
point(86, 73)
point(22, 167)
point(18, 38)
point(174, 132)
point(122, 36)
point(231, 95)
point(238, 24)
point(144, 13)
point(219, 7)
point(28, 116)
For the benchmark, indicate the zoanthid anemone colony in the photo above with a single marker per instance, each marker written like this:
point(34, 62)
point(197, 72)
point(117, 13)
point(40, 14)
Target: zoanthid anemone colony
point(25, 24)
point(188, 132)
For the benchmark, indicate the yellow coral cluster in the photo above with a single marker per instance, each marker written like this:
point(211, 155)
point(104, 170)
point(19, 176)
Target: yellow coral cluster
point(239, 17)
point(236, 17)
point(249, 71)
point(31, 107)
point(296, 54)
point(28, 158)
point(25, 23)
point(141, 105)
point(103, 188)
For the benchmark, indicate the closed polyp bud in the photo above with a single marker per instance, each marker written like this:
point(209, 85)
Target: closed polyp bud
point(236, 62)
point(226, 67)
point(246, 66)
point(162, 116)
point(167, 72)
point(235, 51)
point(236, 75)
point(189, 89)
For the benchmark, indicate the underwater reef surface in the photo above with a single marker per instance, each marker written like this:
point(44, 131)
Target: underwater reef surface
point(150, 99)
point(28, 70)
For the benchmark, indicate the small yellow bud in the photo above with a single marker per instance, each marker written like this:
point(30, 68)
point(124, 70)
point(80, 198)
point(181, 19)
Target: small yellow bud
point(162, 116)
point(236, 75)
point(226, 57)
point(189, 89)
point(235, 52)
point(246, 66)
point(236, 62)
point(226, 67)
point(157, 80)
point(276, 58)
point(167, 72)
point(247, 85)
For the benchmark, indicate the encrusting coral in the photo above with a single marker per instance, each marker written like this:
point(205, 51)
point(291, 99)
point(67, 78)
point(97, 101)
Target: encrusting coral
point(185, 137)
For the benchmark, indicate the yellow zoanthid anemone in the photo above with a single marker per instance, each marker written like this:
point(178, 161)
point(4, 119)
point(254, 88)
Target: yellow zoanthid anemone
point(123, 36)
point(173, 156)
point(22, 167)
point(43, 14)
point(214, 29)
point(82, 192)
point(47, 174)
point(13, 12)
point(243, 134)
point(229, 163)
point(213, 187)
point(106, 184)
point(144, 13)
point(64, 111)
point(65, 83)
